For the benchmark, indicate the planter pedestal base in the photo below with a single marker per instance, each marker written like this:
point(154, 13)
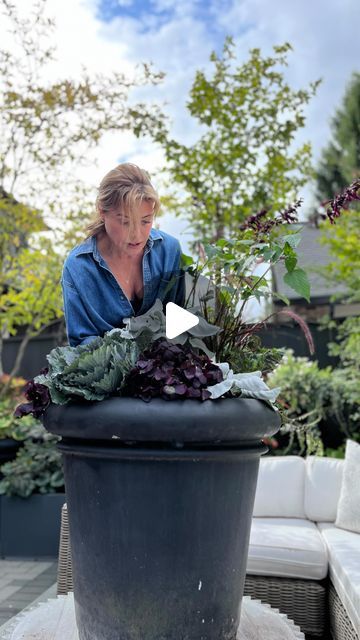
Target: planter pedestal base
point(56, 618)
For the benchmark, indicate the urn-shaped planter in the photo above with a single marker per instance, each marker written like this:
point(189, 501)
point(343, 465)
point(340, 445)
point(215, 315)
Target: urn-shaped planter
point(160, 498)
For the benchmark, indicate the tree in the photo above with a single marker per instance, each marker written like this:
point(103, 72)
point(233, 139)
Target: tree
point(243, 161)
point(344, 268)
point(339, 165)
point(17, 223)
point(47, 129)
point(33, 296)
point(340, 159)
point(343, 243)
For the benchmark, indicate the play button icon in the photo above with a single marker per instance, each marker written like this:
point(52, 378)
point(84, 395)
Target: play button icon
point(178, 320)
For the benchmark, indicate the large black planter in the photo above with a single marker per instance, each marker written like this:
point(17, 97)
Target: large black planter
point(160, 499)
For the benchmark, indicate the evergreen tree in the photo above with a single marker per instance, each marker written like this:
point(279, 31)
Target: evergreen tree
point(340, 161)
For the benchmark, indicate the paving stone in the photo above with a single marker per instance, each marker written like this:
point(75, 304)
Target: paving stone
point(38, 582)
point(10, 607)
point(19, 582)
point(36, 571)
point(22, 582)
point(21, 603)
point(24, 602)
point(5, 581)
point(28, 566)
point(7, 591)
point(30, 588)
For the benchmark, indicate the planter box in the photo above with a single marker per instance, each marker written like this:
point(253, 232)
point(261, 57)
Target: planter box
point(8, 450)
point(30, 527)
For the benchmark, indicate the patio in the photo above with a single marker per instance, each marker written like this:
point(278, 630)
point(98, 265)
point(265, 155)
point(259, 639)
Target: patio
point(22, 582)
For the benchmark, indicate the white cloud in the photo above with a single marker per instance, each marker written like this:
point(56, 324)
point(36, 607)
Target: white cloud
point(178, 47)
point(178, 37)
point(326, 45)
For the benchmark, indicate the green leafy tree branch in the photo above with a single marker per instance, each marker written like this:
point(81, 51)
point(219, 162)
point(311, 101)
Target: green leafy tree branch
point(244, 159)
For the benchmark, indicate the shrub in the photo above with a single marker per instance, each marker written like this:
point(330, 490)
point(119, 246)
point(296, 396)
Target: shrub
point(310, 396)
point(37, 467)
point(304, 396)
point(11, 427)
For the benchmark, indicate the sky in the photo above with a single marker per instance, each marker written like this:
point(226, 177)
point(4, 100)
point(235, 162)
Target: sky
point(178, 36)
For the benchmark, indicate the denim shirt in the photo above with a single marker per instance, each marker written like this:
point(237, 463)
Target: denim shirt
point(94, 302)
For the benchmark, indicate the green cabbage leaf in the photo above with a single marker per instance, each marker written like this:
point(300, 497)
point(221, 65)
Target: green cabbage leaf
point(92, 371)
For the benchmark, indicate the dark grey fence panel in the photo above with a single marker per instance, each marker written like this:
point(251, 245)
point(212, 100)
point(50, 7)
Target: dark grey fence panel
point(291, 336)
point(35, 354)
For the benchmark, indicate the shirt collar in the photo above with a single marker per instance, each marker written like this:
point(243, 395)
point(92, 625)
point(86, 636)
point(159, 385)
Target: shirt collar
point(90, 246)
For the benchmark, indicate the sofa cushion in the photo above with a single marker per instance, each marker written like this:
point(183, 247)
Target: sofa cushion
point(348, 513)
point(344, 567)
point(288, 547)
point(280, 487)
point(323, 478)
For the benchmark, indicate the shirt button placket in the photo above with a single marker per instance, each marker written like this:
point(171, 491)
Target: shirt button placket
point(147, 278)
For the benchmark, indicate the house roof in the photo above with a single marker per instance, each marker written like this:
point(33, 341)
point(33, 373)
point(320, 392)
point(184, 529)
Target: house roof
point(311, 255)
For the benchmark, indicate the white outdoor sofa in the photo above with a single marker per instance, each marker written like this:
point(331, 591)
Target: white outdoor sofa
point(299, 561)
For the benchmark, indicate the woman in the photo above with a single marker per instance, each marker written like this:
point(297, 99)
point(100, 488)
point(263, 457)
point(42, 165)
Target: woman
point(124, 264)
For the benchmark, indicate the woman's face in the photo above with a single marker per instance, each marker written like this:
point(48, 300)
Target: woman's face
point(129, 240)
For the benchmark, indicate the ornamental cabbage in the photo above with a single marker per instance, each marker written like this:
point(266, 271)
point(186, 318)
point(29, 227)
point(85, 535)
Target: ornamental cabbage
point(92, 371)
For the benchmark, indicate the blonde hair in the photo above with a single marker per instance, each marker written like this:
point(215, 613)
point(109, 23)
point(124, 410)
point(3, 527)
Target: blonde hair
point(124, 187)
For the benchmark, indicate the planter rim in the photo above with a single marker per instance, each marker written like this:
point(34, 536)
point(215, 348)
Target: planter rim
point(132, 421)
point(73, 448)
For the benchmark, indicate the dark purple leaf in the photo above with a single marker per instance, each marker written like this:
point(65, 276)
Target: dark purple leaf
point(180, 389)
point(193, 393)
point(39, 399)
point(23, 409)
point(159, 374)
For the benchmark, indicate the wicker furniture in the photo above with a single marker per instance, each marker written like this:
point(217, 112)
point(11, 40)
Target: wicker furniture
point(304, 601)
point(340, 625)
point(64, 578)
